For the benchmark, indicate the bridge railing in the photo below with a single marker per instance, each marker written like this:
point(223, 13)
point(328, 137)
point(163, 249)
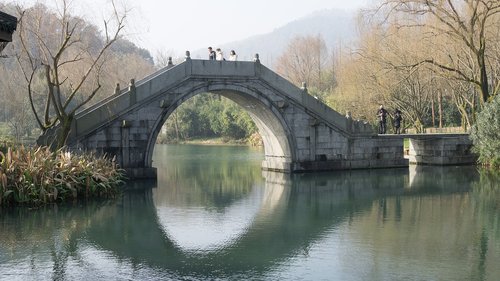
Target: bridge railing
point(124, 90)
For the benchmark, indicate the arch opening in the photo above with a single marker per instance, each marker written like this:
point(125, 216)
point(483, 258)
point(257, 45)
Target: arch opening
point(270, 123)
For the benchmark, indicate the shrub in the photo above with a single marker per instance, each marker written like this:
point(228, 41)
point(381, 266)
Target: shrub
point(37, 175)
point(485, 134)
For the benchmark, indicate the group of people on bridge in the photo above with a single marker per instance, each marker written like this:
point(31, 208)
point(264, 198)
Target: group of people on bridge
point(382, 114)
point(219, 55)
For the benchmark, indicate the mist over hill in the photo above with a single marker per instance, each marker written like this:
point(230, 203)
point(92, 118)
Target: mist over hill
point(335, 26)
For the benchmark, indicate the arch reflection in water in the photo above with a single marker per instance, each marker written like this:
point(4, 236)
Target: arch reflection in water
point(208, 204)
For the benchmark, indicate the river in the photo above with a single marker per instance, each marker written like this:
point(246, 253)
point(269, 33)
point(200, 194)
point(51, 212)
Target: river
point(214, 215)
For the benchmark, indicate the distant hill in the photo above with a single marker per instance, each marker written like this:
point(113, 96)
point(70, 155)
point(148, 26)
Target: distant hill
point(335, 26)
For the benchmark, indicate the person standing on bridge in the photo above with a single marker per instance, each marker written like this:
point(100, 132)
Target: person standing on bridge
point(233, 56)
point(397, 121)
point(211, 54)
point(382, 119)
point(219, 55)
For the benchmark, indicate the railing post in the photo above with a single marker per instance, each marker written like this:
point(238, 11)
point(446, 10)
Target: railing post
point(304, 87)
point(117, 89)
point(132, 94)
point(169, 62)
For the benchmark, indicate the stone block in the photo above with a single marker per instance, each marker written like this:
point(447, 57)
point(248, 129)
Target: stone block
point(324, 138)
point(303, 154)
point(359, 164)
point(324, 145)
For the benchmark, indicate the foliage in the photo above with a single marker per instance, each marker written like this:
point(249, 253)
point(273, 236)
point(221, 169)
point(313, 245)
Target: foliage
point(451, 117)
point(37, 176)
point(485, 133)
point(208, 116)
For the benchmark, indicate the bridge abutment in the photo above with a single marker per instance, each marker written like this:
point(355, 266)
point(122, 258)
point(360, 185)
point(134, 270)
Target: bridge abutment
point(433, 149)
point(355, 153)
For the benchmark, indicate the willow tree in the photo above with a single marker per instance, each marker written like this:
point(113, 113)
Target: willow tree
point(468, 24)
point(67, 54)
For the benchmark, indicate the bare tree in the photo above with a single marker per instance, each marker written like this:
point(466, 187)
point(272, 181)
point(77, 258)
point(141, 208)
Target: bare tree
point(378, 73)
point(304, 60)
point(466, 23)
point(68, 62)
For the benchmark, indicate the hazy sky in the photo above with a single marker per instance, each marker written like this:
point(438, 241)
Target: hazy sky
point(176, 26)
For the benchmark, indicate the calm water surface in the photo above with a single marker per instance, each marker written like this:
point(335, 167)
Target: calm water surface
point(214, 215)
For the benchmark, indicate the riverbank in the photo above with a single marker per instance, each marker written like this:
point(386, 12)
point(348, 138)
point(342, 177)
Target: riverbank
point(215, 141)
point(37, 176)
point(253, 140)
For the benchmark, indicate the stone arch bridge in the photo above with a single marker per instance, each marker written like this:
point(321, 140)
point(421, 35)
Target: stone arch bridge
point(299, 132)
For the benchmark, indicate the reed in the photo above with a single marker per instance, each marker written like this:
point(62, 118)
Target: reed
point(37, 176)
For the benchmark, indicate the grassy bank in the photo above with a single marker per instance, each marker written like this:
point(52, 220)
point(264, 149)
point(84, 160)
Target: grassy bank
point(214, 141)
point(35, 176)
point(252, 140)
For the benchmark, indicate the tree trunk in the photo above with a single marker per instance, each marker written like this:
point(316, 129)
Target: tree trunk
point(433, 114)
point(485, 91)
point(176, 125)
point(463, 117)
point(440, 109)
point(63, 132)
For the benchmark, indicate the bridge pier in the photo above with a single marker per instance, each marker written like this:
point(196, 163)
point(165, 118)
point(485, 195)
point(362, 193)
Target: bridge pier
point(435, 149)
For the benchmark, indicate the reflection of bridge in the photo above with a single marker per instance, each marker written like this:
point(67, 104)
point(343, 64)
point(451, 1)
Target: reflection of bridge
point(300, 209)
point(299, 132)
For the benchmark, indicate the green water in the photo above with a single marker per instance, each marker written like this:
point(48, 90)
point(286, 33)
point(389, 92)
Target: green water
point(214, 215)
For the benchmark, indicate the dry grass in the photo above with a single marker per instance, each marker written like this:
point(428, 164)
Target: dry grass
point(37, 175)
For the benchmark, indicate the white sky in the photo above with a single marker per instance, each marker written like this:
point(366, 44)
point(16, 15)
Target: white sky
point(174, 26)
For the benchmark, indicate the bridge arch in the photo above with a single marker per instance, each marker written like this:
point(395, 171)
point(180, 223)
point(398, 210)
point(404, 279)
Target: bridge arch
point(272, 126)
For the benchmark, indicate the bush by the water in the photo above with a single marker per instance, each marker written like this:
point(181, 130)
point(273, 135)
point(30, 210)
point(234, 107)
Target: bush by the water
point(36, 176)
point(485, 133)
